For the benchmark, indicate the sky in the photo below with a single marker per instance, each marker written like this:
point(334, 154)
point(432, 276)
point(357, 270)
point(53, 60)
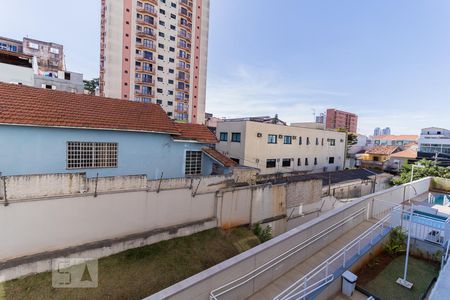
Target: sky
point(387, 60)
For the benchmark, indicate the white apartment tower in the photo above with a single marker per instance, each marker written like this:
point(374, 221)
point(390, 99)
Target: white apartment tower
point(156, 51)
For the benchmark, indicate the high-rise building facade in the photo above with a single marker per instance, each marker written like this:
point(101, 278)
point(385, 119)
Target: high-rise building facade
point(377, 131)
point(386, 131)
point(337, 119)
point(156, 51)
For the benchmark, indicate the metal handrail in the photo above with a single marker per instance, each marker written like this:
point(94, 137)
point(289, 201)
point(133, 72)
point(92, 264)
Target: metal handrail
point(294, 291)
point(280, 258)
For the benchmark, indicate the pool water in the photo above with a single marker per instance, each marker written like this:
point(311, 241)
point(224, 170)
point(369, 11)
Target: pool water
point(440, 199)
point(427, 219)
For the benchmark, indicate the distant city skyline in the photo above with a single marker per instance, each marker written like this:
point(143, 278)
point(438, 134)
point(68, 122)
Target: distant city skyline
point(384, 61)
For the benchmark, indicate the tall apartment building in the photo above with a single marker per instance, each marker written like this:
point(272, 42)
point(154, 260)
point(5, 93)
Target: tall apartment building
point(377, 131)
point(341, 119)
point(386, 131)
point(156, 51)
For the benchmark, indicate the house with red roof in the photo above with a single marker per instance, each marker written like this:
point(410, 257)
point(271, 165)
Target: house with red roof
point(44, 131)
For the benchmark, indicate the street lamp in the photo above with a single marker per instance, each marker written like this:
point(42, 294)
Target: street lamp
point(412, 171)
point(403, 281)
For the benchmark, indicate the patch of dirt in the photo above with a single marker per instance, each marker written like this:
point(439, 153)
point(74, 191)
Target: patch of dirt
point(373, 268)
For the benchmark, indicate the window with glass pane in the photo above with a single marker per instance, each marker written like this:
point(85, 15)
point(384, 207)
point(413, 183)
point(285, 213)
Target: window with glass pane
point(287, 139)
point(83, 155)
point(193, 165)
point(272, 139)
point(224, 136)
point(271, 163)
point(236, 137)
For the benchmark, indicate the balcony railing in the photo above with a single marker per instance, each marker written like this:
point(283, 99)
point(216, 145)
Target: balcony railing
point(155, 2)
point(187, 15)
point(140, 94)
point(186, 3)
point(145, 82)
point(184, 46)
point(182, 67)
point(146, 59)
point(145, 71)
point(185, 58)
point(147, 11)
point(187, 26)
point(142, 22)
point(141, 45)
point(185, 78)
point(146, 34)
point(187, 36)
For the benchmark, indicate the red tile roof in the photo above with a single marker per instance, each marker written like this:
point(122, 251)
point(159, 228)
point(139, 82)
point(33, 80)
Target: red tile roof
point(224, 160)
point(197, 132)
point(408, 153)
point(22, 105)
point(382, 150)
point(396, 137)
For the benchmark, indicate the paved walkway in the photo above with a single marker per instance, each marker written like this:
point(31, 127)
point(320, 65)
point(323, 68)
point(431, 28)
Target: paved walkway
point(306, 266)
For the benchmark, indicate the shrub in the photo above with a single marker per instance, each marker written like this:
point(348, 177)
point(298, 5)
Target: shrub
point(397, 241)
point(263, 234)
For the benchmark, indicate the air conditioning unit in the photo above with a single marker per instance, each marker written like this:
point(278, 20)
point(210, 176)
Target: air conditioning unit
point(294, 137)
point(280, 136)
point(257, 160)
point(259, 134)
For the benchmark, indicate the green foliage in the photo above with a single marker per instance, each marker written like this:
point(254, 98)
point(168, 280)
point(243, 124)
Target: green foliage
point(397, 241)
point(263, 234)
point(352, 138)
point(429, 169)
point(91, 85)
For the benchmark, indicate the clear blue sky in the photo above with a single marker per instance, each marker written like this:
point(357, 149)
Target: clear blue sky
point(386, 60)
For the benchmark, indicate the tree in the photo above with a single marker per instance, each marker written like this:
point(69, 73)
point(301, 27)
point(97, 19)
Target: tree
point(429, 168)
point(352, 138)
point(91, 85)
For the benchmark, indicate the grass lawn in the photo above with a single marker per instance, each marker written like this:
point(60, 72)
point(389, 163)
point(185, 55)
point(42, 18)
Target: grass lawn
point(420, 273)
point(137, 273)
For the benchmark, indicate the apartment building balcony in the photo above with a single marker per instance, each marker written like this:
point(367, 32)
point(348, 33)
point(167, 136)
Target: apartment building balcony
point(181, 110)
point(151, 12)
point(144, 82)
point(185, 89)
point(182, 67)
point(145, 71)
point(186, 47)
point(143, 46)
point(186, 58)
point(143, 34)
point(187, 26)
point(139, 93)
point(186, 3)
point(186, 36)
point(187, 15)
point(186, 78)
point(143, 23)
point(145, 59)
point(154, 2)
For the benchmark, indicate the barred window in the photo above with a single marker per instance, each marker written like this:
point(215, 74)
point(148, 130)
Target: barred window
point(84, 155)
point(193, 163)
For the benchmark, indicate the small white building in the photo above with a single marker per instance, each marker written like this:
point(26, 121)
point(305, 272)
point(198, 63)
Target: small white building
point(434, 140)
point(277, 148)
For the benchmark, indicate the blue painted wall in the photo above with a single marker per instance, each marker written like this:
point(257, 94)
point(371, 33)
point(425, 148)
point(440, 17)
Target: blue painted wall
point(38, 150)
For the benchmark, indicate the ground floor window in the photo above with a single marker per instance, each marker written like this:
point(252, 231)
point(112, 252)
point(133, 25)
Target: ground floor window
point(286, 162)
point(193, 165)
point(84, 155)
point(271, 163)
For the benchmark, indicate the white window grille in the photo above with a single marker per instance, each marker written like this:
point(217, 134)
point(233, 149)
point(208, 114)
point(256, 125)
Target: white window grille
point(193, 163)
point(84, 155)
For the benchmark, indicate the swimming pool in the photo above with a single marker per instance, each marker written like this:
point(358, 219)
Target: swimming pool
point(441, 199)
point(420, 217)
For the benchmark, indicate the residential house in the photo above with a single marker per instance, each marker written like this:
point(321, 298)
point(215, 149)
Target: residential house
point(273, 147)
point(44, 131)
point(376, 157)
point(434, 144)
point(398, 159)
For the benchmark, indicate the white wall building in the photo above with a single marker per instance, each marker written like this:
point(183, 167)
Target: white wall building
point(434, 140)
point(276, 148)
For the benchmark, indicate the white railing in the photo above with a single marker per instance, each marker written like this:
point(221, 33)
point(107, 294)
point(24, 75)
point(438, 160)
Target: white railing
point(324, 273)
point(431, 198)
point(273, 263)
point(426, 228)
point(381, 209)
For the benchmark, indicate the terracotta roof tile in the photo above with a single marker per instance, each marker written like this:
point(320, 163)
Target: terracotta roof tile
point(197, 132)
point(224, 160)
point(24, 105)
point(382, 150)
point(408, 153)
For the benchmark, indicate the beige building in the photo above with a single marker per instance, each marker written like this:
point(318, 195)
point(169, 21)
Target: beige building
point(156, 51)
point(275, 148)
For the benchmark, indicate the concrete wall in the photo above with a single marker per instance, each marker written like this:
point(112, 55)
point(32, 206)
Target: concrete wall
point(200, 285)
point(37, 150)
point(16, 74)
point(74, 85)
